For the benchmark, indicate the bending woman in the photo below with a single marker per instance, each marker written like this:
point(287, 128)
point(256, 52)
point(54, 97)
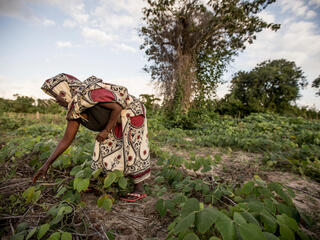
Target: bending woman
point(122, 142)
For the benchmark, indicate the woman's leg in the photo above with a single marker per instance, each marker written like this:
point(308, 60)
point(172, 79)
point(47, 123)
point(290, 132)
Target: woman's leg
point(138, 188)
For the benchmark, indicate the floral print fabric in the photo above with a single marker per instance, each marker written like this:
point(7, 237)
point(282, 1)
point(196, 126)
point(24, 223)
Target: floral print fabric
point(126, 148)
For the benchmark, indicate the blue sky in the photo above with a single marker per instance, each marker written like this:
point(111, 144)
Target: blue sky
point(41, 38)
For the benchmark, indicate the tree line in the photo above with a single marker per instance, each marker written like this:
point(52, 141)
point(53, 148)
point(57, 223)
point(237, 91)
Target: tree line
point(25, 104)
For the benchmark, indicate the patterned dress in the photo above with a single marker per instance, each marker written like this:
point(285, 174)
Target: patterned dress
point(126, 148)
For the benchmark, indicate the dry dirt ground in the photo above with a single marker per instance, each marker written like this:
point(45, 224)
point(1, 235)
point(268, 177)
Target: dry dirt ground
point(140, 220)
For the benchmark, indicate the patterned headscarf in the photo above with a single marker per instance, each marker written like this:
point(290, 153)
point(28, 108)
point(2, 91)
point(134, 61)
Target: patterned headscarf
point(64, 85)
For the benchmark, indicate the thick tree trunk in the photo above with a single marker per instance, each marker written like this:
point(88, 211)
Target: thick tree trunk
point(185, 76)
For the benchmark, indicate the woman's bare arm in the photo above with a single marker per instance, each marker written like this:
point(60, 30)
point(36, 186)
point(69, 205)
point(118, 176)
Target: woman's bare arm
point(70, 133)
point(115, 114)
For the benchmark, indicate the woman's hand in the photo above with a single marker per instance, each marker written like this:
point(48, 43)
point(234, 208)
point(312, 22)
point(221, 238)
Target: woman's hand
point(41, 172)
point(102, 135)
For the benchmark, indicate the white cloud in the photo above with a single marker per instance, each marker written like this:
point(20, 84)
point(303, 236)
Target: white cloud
point(96, 35)
point(126, 47)
point(300, 8)
point(61, 44)
point(48, 22)
point(266, 16)
point(69, 23)
point(315, 2)
point(311, 14)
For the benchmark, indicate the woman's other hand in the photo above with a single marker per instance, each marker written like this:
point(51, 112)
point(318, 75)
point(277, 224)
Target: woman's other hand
point(102, 135)
point(41, 172)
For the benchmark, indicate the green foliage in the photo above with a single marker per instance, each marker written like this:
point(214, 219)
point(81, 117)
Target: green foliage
point(188, 51)
point(271, 86)
point(105, 202)
point(43, 229)
point(31, 195)
point(316, 85)
point(260, 212)
point(255, 209)
point(284, 141)
point(25, 104)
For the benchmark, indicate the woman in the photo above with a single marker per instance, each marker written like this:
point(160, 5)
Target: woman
point(122, 142)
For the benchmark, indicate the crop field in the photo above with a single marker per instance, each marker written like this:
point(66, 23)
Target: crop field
point(228, 178)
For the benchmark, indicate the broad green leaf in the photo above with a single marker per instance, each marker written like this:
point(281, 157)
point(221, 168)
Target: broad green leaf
point(269, 222)
point(36, 196)
point(255, 206)
point(56, 220)
point(286, 233)
point(61, 210)
point(288, 221)
point(53, 211)
point(28, 194)
point(31, 233)
point(191, 205)
point(288, 210)
point(185, 223)
point(205, 219)
point(303, 235)
point(43, 230)
point(160, 206)
point(18, 236)
point(159, 179)
point(247, 188)
point(111, 178)
point(81, 184)
point(251, 231)
point(75, 170)
point(107, 204)
point(205, 188)
point(22, 226)
point(270, 236)
point(238, 218)
point(172, 225)
point(191, 236)
point(61, 191)
point(66, 236)
point(96, 172)
point(68, 210)
point(226, 227)
point(278, 188)
point(123, 182)
point(54, 236)
point(118, 173)
point(214, 238)
point(87, 172)
point(270, 206)
point(251, 219)
point(80, 174)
